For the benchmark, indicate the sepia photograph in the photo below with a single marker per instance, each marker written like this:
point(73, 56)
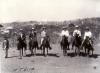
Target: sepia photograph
point(49, 36)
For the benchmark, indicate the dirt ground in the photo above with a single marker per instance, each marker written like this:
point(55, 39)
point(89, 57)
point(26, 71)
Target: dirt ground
point(54, 63)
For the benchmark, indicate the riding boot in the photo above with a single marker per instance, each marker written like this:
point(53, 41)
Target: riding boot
point(20, 54)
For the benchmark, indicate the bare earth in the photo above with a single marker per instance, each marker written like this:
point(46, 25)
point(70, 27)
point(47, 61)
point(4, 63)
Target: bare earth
point(54, 63)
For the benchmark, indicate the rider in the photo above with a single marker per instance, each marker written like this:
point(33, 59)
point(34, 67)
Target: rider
point(33, 34)
point(43, 35)
point(22, 43)
point(76, 32)
point(64, 32)
point(88, 34)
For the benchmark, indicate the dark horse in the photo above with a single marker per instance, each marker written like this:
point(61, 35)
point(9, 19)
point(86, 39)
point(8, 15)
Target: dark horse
point(22, 45)
point(77, 44)
point(64, 45)
point(33, 45)
point(46, 45)
point(88, 45)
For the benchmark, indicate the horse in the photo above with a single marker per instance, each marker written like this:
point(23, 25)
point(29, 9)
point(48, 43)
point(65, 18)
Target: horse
point(88, 45)
point(33, 45)
point(64, 45)
point(21, 45)
point(77, 44)
point(45, 45)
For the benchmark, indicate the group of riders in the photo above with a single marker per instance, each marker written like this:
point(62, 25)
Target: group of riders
point(78, 43)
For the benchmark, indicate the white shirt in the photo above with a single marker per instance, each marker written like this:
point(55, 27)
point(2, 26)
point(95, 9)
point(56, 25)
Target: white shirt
point(64, 33)
point(77, 32)
point(87, 33)
point(43, 34)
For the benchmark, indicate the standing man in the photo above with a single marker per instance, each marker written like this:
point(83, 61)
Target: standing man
point(76, 32)
point(6, 46)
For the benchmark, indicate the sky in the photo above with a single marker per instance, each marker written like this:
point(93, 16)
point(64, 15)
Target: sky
point(47, 10)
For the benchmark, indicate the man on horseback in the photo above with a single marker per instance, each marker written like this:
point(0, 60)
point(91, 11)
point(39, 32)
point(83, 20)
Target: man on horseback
point(64, 40)
point(33, 40)
point(65, 32)
point(76, 32)
point(88, 42)
point(87, 33)
point(21, 43)
point(44, 38)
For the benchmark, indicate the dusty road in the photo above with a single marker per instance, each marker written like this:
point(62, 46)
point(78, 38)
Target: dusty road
point(54, 63)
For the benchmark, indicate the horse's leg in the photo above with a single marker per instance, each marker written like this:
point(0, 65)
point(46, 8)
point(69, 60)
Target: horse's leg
point(25, 51)
point(34, 50)
point(92, 52)
point(85, 51)
point(44, 51)
point(88, 51)
point(20, 53)
point(78, 50)
point(63, 52)
point(47, 51)
point(66, 51)
point(75, 51)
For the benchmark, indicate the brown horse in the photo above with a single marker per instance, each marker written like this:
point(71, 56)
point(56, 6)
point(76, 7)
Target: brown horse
point(77, 44)
point(21, 45)
point(45, 47)
point(64, 45)
point(33, 45)
point(88, 45)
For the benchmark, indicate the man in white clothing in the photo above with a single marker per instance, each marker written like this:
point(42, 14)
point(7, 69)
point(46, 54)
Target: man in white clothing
point(65, 32)
point(43, 35)
point(76, 32)
point(88, 37)
point(87, 33)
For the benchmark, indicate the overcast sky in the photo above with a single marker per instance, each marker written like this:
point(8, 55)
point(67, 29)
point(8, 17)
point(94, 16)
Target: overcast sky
point(47, 10)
